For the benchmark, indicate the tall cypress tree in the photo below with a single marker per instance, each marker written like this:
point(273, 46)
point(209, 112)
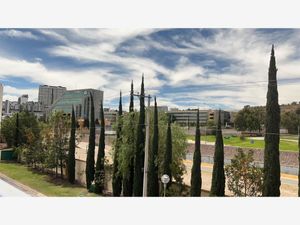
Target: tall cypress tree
point(153, 185)
point(196, 179)
point(139, 149)
point(168, 154)
point(90, 158)
point(71, 153)
point(131, 105)
point(128, 179)
point(100, 172)
point(271, 180)
point(117, 176)
point(218, 176)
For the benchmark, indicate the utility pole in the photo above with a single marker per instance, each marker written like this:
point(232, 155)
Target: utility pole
point(147, 125)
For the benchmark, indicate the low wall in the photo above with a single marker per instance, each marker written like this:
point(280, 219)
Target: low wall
point(80, 174)
point(288, 160)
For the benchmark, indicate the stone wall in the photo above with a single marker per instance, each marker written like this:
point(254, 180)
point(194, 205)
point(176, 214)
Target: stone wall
point(288, 159)
point(80, 174)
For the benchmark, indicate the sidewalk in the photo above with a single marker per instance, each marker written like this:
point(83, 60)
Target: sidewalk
point(27, 190)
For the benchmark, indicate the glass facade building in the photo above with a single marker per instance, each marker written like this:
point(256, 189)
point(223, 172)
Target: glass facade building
point(80, 100)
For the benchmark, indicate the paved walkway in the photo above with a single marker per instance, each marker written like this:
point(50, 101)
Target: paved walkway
point(8, 190)
point(12, 188)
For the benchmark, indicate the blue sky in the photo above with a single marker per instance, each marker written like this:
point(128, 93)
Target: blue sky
point(184, 68)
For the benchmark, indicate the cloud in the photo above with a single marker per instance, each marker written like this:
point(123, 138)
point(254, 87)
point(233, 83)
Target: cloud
point(185, 68)
point(18, 34)
point(12, 93)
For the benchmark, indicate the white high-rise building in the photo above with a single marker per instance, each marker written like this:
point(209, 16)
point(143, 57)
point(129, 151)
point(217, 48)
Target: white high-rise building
point(23, 99)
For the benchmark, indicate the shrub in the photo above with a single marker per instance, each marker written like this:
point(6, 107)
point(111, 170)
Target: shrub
point(244, 178)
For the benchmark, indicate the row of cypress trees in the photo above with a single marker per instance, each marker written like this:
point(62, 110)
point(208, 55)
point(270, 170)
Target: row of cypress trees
point(95, 174)
point(271, 179)
point(153, 184)
point(133, 185)
point(218, 175)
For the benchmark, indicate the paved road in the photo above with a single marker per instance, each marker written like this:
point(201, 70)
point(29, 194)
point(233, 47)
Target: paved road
point(288, 188)
point(7, 190)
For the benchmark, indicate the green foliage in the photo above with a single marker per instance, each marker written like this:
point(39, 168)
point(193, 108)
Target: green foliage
point(60, 132)
point(168, 154)
point(272, 125)
point(72, 146)
point(250, 118)
point(218, 176)
point(117, 175)
point(90, 160)
point(244, 178)
point(126, 154)
point(100, 172)
point(153, 179)
point(42, 182)
point(290, 120)
point(139, 149)
point(196, 179)
point(10, 130)
point(179, 145)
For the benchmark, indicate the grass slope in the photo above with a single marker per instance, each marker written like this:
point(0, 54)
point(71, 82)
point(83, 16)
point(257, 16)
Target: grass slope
point(285, 144)
point(44, 184)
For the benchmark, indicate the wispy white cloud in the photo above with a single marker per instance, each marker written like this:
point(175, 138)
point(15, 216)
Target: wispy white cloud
point(12, 93)
point(244, 54)
point(18, 34)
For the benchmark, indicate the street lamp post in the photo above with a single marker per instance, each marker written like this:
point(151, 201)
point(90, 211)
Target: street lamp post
point(165, 180)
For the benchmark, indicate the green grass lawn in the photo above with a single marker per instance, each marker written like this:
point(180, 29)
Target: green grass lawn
point(285, 145)
point(44, 184)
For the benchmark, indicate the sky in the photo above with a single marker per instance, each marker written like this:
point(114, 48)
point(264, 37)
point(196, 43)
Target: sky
point(183, 68)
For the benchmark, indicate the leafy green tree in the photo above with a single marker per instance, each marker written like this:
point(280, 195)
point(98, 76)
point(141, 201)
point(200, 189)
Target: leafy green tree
point(100, 172)
point(139, 149)
point(179, 147)
point(127, 146)
point(153, 185)
point(244, 178)
point(117, 175)
point(290, 120)
point(250, 118)
point(168, 154)
point(30, 151)
point(14, 128)
point(272, 125)
point(72, 147)
point(60, 128)
point(218, 176)
point(196, 179)
point(90, 160)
